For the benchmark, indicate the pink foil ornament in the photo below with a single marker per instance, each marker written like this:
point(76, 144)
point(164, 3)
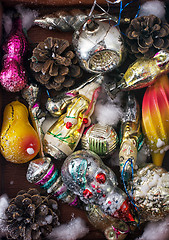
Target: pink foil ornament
point(13, 75)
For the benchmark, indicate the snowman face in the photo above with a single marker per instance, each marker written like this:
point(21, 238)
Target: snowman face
point(85, 174)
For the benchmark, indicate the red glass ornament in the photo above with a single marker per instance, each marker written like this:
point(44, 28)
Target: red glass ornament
point(101, 178)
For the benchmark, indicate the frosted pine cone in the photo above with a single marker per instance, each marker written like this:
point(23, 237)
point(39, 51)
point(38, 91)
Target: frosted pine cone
point(146, 35)
point(31, 216)
point(55, 64)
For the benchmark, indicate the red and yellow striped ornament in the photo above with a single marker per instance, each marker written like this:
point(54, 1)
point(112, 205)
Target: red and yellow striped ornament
point(155, 118)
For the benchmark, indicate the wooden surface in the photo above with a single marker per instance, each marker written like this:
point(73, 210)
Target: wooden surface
point(12, 176)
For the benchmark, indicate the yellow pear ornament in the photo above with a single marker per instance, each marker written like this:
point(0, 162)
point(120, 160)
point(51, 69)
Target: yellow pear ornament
point(19, 141)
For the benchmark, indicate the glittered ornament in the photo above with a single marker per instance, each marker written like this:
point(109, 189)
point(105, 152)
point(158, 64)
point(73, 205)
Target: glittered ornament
point(100, 139)
point(155, 118)
point(98, 45)
point(142, 73)
point(63, 136)
point(131, 137)
point(31, 216)
point(113, 228)
point(13, 74)
point(150, 187)
point(43, 173)
point(19, 141)
point(85, 174)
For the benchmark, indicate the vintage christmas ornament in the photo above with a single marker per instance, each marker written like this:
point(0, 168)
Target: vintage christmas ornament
point(63, 136)
point(31, 216)
point(85, 175)
point(151, 191)
point(100, 139)
point(99, 45)
point(57, 106)
point(146, 35)
point(55, 64)
point(155, 118)
point(43, 173)
point(142, 73)
point(131, 137)
point(13, 74)
point(69, 20)
point(19, 141)
point(30, 94)
point(113, 228)
point(63, 20)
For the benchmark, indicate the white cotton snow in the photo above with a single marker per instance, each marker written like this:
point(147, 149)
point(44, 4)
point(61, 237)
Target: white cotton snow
point(4, 202)
point(73, 230)
point(28, 16)
point(108, 111)
point(156, 231)
point(7, 23)
point(156, 8)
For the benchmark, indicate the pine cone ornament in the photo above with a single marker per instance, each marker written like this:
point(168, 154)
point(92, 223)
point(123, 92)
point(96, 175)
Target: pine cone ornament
point(146, 35)
point(55, 64)
point(31, 216)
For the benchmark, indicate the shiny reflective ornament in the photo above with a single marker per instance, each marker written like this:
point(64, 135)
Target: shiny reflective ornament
point(18, 139)
point(99, 45)
point(151, 192)
point(142, 73)
point(100, 139)
point(85, 175)
point(131, 137)
point(155, 118)
point(67, 20)
point(30, 94)
point(62, 138)
point(57, 106)
point(43, 173)
point(113, 228)
point(13, 74)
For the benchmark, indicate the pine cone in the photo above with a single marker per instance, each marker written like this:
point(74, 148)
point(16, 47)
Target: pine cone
point(146, 35)
point(31, 216)
point(55, 64)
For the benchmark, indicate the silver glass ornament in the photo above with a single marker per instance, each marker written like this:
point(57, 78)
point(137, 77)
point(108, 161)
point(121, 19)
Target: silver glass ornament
point(67, 20)
point(85, 175)
point(43, 173)
point(100, 139)
point(99, 45)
